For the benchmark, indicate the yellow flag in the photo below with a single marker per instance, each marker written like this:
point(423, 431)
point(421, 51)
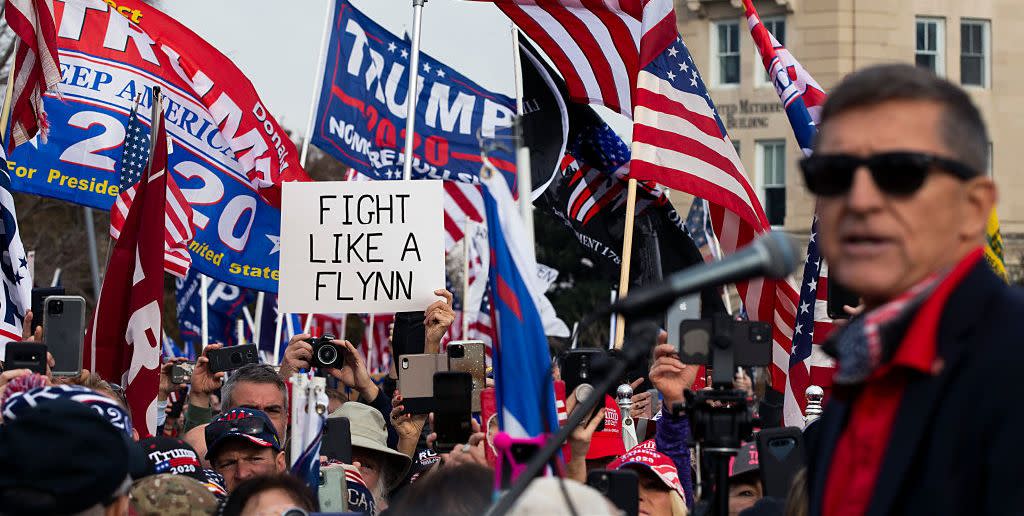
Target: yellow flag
point(994, 247)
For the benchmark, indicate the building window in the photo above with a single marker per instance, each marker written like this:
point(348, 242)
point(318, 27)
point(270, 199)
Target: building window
point(777, 27)
point(727, 52)
point(931, 39)
point(974, 52)
point(771, 164)
point(736, 145)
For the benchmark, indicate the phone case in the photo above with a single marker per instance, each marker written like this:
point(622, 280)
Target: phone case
point(780, 453)
point(416, 380)
point(25, 355)
point(474, 363)
point(333, 491)
point(452, 419)
point(619, 486)
point(64, 332)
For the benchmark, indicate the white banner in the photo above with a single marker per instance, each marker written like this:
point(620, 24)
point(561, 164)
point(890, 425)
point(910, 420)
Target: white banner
point(372, 247)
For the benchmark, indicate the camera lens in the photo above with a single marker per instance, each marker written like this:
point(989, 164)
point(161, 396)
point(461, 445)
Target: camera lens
point(327, 354)
point(57, 307)
point(236, 358)
point(456, 351)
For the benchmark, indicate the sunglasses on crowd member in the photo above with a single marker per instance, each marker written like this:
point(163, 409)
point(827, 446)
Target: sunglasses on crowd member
point(895, 173)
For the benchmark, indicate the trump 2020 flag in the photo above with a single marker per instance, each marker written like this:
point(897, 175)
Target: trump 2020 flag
point(523, 385)
point(16, 282)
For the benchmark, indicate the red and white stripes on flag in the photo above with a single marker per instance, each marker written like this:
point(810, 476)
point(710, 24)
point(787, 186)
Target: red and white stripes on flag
point(178, 230)
point(36, 67)
point(597, 45)
point(678, 139)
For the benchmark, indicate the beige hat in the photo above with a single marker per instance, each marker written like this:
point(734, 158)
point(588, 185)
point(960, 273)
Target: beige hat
point(370, 432)
point(172, 494)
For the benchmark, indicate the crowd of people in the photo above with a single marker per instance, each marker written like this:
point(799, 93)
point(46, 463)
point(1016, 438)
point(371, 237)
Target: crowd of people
point(903, 199)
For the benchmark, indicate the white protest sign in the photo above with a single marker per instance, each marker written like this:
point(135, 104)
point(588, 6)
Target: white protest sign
point(367, 246)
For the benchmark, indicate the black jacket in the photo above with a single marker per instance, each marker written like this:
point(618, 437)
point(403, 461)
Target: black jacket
point(955, 446)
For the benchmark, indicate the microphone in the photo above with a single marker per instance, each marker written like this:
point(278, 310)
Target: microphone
point(773, 255)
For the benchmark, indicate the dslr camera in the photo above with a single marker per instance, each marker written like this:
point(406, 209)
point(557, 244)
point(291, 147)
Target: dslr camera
point(326, 354)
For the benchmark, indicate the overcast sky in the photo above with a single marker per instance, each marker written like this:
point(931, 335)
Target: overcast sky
point(276, 44)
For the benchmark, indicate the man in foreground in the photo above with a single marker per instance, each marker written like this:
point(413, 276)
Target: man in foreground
point(921, 420)
point(243, 444)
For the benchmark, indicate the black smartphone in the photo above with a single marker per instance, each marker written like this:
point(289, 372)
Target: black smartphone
point(780, 454)
point(836, 297)
point(63, 319)
point(751, 341)
point(409, 335)
point(337, 441)
point(621, 486)
point(39, 295)
point(177, 404)
point(584, 366)
point(453, 393)
point(25, 355)
point(232, 357)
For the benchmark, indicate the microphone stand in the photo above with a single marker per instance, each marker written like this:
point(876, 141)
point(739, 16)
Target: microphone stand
point(636, 347)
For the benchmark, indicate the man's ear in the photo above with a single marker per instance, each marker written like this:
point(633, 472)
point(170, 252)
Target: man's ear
point(981, 196)
point(281, 464)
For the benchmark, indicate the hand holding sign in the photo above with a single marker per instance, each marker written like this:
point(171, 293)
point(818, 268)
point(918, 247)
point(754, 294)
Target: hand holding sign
point(371, 247)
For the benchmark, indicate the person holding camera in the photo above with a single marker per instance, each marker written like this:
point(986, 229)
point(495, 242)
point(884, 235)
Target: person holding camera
point(671, 377)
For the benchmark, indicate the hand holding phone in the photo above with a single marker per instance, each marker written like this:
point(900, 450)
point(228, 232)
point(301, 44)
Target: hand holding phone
point(416, 381)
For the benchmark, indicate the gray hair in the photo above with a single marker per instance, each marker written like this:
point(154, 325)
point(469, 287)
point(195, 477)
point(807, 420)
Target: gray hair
point(962, 130)
point(252, 373)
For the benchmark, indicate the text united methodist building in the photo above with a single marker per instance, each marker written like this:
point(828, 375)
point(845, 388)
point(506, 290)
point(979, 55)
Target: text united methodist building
point(978, 45)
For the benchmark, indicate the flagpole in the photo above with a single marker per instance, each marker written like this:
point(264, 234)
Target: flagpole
point(94, 260)
point(204, 287)
point(317, 79)
point(524, 179)
point(465, 278)
point(627, 254)
point(5, 113)
point(277, 336)
point(410, 101)
point(257, 323)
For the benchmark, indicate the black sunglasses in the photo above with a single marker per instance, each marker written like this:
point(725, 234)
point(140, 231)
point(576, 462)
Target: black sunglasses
point(895, 173)
point(247, 426)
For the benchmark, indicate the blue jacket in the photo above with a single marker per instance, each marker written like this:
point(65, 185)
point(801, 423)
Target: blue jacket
point(672, 438)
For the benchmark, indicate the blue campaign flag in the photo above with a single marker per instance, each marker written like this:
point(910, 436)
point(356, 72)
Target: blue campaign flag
point(361, 112)
point(522, 366)
point(225, 303)
point(291, 325)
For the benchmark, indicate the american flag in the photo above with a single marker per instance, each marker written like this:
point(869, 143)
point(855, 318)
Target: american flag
point(597, 46)
point(804, 363)
point(678, 138)
point(178, 231)
point(36, 67)
point(377, 342)
point(698, 226)
point(123, 340)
